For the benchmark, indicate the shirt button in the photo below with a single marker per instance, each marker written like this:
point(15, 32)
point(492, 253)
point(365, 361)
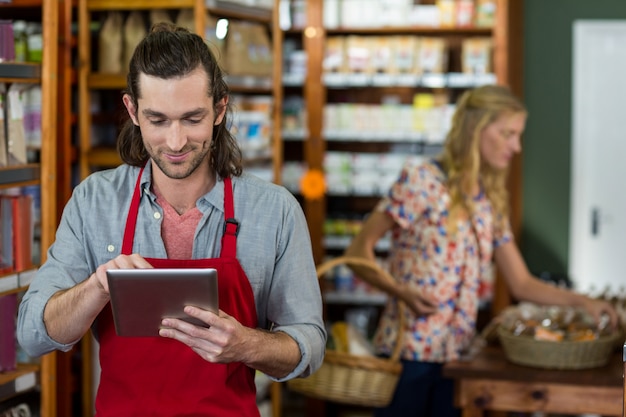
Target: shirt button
point(157, 215)
point(110, 248)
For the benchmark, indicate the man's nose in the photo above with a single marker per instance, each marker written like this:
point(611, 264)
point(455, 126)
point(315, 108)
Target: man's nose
point(176, 137)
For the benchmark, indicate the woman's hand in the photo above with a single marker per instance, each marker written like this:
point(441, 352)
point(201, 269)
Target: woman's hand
point(418, 302)
point(602, 310)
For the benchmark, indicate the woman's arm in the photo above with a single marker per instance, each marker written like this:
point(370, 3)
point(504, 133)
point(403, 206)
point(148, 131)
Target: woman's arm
point(524, 286)
point(362, 246)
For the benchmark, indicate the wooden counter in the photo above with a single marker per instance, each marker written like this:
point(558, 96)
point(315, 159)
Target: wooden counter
point(490, 382)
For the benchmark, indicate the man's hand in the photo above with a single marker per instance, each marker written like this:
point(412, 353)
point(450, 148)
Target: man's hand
point(224, 339)
point(133, 261)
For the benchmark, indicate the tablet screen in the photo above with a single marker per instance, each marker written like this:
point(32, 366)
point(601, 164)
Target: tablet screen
point(141, 298)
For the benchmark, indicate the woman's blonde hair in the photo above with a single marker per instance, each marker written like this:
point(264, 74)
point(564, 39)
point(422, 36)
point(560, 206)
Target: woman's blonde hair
point(476, 109)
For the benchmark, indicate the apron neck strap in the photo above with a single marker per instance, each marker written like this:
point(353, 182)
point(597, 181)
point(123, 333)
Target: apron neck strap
point(231, 225)
point(131, 221)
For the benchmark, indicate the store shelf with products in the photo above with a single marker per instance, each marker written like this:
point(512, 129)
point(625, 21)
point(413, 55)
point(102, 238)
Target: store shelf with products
point(22, 379)
point(337, 108)
point(26, 170)
point(16, 281)
point(383, 102)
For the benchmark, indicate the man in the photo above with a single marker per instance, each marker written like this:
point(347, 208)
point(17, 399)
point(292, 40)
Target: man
point(181, 200)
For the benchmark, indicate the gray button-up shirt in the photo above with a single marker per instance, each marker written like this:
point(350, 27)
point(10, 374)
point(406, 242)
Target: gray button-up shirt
point(273, 247)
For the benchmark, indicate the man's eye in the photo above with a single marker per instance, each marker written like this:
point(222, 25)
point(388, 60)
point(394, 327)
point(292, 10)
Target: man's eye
point(157, 122)
point(194, 121)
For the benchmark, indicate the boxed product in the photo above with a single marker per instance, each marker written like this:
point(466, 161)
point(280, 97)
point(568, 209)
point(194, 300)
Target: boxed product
point(476, 55)
point(433, 56)
point(405, 50)
point(334, 55)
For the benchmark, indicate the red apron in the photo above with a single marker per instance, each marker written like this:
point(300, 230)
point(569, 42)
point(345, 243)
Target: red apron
point(156, 376)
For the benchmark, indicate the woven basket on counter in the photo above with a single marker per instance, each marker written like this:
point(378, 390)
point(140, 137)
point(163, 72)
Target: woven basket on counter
point(526, 350)
point(354, 379)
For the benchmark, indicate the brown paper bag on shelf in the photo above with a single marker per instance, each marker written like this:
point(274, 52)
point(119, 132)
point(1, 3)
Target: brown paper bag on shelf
point(215, 38)
point(260, 51)
point(16, 136)
point(236, 49)
point(476, 55)
point(110, 44)
point(186, 19)
point(134, 32)
point(159, 15)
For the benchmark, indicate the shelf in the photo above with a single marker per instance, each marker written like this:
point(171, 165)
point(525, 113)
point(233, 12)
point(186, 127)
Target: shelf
point(22, 3)
point(94, 5)
point(24, 378)
point(106, 81)
point(449, 80)
point(22, 72)
point(19, 175)
point(16, 281)
point(235, 82)
point(332, 297)
point(103, 157)
point(231, 9)
point(411, 30)
point(249, 83)
point(334, 242)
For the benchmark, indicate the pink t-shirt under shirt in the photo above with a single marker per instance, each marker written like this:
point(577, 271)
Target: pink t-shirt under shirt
point(178, 231)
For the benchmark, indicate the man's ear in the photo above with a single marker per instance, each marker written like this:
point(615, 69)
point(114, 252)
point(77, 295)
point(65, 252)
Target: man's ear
point(130, 108)
point(221, 107)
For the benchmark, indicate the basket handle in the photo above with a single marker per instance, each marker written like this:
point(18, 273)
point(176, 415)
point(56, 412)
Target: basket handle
point(353, 260)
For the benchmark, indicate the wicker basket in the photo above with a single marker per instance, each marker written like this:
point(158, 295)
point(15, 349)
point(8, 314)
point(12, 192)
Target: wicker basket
point(350, 379)
point(525, 350)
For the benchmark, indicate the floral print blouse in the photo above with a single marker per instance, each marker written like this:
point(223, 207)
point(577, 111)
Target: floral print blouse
point(453, 272)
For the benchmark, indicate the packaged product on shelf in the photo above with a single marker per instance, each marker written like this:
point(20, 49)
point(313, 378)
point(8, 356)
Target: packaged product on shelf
point(34, 40)
point(8, 342)
point(476, 55)
point(20, 40)
point(248, 50)
point(134, 32)
point(186, 19)
point(334, 54)
point(381, 54)
point(405, 49)
point(331, 14)
point(215, 34)
point(16, 136)
point(32, 116)
point(159, 15)
point(432, 57)
point(485, 13)
point(358, 54)
point(447, 12)
point(111, 44)
point(3, 139)
point(464, 13)
point(259, 51)
point(394, 13)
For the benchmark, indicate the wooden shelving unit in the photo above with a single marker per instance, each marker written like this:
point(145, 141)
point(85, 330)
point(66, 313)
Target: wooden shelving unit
point(507, 38)
point(506, 35)
point(44, 173)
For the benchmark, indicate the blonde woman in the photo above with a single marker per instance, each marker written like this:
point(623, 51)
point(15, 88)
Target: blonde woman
point(448, 219)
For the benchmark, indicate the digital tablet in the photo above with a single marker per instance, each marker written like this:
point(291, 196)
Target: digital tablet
point(141, 298)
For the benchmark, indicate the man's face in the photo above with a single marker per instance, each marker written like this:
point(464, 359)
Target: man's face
point(176, 119)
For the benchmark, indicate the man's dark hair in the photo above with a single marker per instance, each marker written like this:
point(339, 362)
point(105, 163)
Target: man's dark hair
point(170, 51)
